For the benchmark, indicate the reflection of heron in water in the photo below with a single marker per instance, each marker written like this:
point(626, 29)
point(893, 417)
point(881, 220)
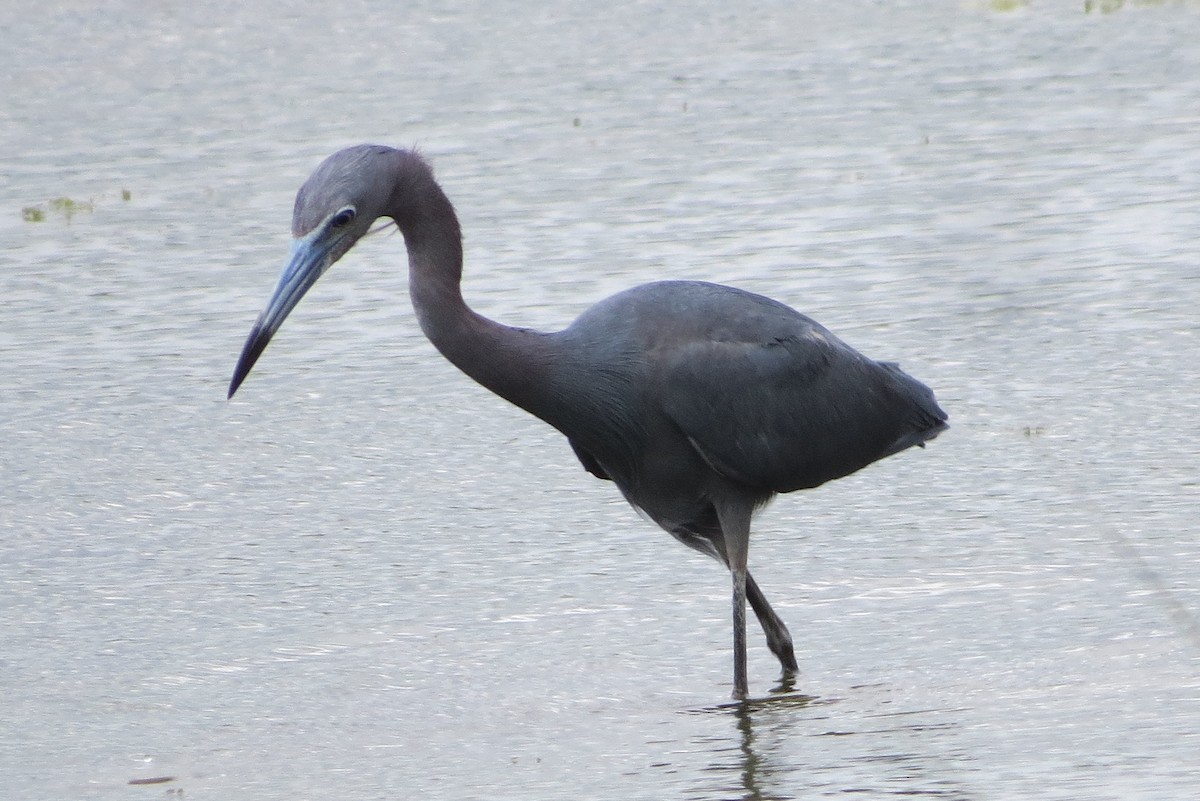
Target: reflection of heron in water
point(755, 768)
point(867, 752)
point(700, 402)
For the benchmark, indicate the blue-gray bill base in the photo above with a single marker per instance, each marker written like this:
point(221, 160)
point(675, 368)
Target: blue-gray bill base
point(701, 402)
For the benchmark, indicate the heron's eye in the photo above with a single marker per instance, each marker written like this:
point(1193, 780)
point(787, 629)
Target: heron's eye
point(342, 218)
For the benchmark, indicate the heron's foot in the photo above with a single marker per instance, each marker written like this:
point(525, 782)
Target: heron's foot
point(786, 656)
point(787, 683)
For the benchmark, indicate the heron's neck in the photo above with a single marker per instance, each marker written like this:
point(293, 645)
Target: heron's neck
point(512, 362)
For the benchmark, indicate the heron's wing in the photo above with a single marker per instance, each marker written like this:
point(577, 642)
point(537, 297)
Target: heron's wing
point(792, 411)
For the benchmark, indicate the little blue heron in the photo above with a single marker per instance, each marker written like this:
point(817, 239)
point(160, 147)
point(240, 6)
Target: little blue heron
point(699, 401)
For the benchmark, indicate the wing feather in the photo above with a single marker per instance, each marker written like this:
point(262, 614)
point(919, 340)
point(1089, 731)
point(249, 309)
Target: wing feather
point(795, 411)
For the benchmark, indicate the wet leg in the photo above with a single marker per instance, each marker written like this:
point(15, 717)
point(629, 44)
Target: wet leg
point(735, 525)
point(779, 639)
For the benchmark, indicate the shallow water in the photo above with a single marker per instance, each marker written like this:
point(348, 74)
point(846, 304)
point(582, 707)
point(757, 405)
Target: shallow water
point(368, 578)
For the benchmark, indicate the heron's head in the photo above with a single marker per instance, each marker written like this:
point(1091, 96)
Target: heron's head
point(334, 209)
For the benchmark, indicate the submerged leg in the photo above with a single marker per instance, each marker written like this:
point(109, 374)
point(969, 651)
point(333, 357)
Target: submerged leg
point(779, 639)
point(735, 524)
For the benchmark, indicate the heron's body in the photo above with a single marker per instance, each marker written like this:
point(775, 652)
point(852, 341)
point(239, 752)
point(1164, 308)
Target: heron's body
point(699, 401)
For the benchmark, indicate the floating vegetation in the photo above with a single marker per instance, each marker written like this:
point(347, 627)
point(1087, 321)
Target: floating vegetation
point(69, 208)
point(1007, 5)
point(65, 207)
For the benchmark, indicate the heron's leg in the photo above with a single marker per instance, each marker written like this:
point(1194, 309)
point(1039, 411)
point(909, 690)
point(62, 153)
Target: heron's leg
point(779, 639)
point(735, 524)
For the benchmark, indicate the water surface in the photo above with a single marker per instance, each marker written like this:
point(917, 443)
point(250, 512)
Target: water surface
point(368, 578)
